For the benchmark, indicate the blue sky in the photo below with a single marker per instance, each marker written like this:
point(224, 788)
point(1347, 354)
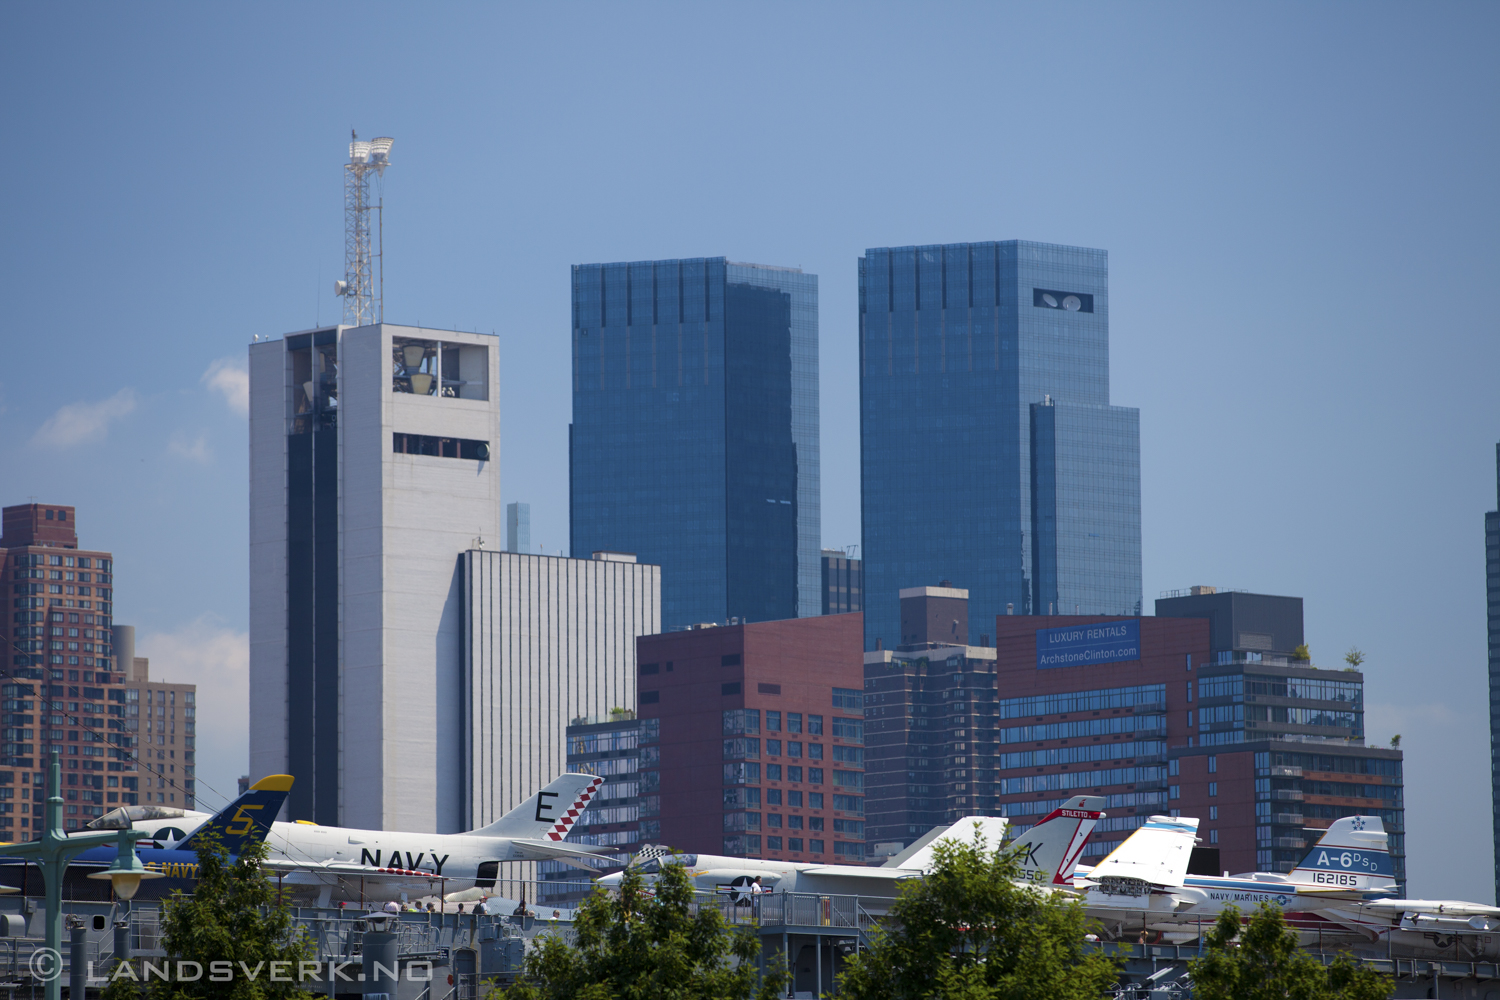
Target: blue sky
point(1298, 202)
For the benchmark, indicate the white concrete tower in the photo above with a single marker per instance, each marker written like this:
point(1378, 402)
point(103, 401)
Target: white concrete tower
point(373, 468)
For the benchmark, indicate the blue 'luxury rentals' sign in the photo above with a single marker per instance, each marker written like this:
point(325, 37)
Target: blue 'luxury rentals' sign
point(1080, 645)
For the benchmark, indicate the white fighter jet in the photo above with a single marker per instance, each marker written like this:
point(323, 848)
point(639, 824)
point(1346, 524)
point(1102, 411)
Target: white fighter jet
point(374, 865)
point(1048, 851)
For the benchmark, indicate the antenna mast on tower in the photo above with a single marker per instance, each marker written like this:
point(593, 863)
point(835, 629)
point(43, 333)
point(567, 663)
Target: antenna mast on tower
point(363, 297)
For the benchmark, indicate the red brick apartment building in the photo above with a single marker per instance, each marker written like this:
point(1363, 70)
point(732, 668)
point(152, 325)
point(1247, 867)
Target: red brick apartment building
point(59, 687)
point(762, 737)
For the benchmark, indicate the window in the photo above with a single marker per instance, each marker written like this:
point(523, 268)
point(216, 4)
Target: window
point(729, 660)
point(734, 688)
point(1190, 720)
point(1189, 690)
point(768, 689)
point(1213, 812)
point(1174, 766)
point(773, 796)
point(773, 772)
point(852, 730)
point(793, 749)
point(773, 821)
point(849, 700)
point(1213, 836)
point(773, 748)
point(815, 847)
point(794, 799)
point(815, 801)
point(742, 773)
point(853, 756)
point(815, 751)
point(773, 843)
point(650, 668)
point(741, 720)
point(440, 447)
point(815, 776)
point(741, 748)
point(815, 725)
point(1174, 791)
point(794, 844)
point(650, 697)
point(1213, 788)
point(773, 721)
point(853, 852)
point(794, 774)
point(794, 722)
point(1213, 765)
point(794, 822)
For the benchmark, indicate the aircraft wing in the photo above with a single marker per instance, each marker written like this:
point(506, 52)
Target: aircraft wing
point(856, 871)
point(1435, 907)
point(1157, 853)
point(525, 849)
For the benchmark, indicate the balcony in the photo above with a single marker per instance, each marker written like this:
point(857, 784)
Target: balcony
point(1296, 842)
point(1287, 819)
point(1285, 771)
point(1287, 795)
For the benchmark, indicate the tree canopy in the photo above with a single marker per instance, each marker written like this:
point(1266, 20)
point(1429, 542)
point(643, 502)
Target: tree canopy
point(1266, 964)
point(236, 918)
point(656, 945)
point(973, 929)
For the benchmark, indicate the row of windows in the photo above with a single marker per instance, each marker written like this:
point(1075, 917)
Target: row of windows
point(741, 845)
point(1153, 724)
point(1083, 754)
point(1329, 762)
point(79, 562)
point(750, 798)
point(745, 747)
point(1084, 701)
point(748, 773)
point(1312, 689)
point(747, 720)
point(1079, 779)
point(57, 574)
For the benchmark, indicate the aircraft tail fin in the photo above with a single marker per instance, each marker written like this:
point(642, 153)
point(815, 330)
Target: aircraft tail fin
point(1049, 851)
point(550, 813)
point(1157, 854)
point(919, 857)
point(1353, 853)
point(248, 818)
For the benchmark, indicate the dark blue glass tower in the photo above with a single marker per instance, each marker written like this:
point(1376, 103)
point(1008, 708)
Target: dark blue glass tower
point(990, 454)
point(694, 441)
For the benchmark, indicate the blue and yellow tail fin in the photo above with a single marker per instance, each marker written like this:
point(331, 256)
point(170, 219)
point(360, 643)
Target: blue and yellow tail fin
point(248, 818)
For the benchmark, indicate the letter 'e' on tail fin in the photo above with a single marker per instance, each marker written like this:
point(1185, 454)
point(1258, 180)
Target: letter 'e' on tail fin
point(1353, 853)
point(550, 813)
point(1049, 851)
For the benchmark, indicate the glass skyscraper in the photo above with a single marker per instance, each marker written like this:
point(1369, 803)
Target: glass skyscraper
point(991, 456)
point(694, 441)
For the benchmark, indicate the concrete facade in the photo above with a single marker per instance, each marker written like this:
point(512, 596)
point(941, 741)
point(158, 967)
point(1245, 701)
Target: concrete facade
point(547, 640)
point(373, 456)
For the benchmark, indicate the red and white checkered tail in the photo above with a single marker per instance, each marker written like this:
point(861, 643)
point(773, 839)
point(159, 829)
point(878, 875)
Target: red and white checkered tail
point(550, 813)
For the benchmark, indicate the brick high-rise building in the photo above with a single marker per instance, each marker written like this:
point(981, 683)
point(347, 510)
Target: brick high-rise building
point(162, 715)
point(772, 713)
point(59, 682)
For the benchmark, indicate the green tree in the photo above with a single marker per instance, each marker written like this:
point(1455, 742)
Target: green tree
point(632, 945)
point(1354, 657)
point(1266, 964)
point(969, 930)
point(1302, 652)
point(235, 916)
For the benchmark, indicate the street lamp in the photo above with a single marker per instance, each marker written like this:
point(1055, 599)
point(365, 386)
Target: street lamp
point(55, 849)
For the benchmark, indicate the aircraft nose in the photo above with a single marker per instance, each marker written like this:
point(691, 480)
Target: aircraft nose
point(609, 881)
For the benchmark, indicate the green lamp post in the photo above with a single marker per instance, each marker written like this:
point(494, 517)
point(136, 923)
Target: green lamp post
point(56, 849)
